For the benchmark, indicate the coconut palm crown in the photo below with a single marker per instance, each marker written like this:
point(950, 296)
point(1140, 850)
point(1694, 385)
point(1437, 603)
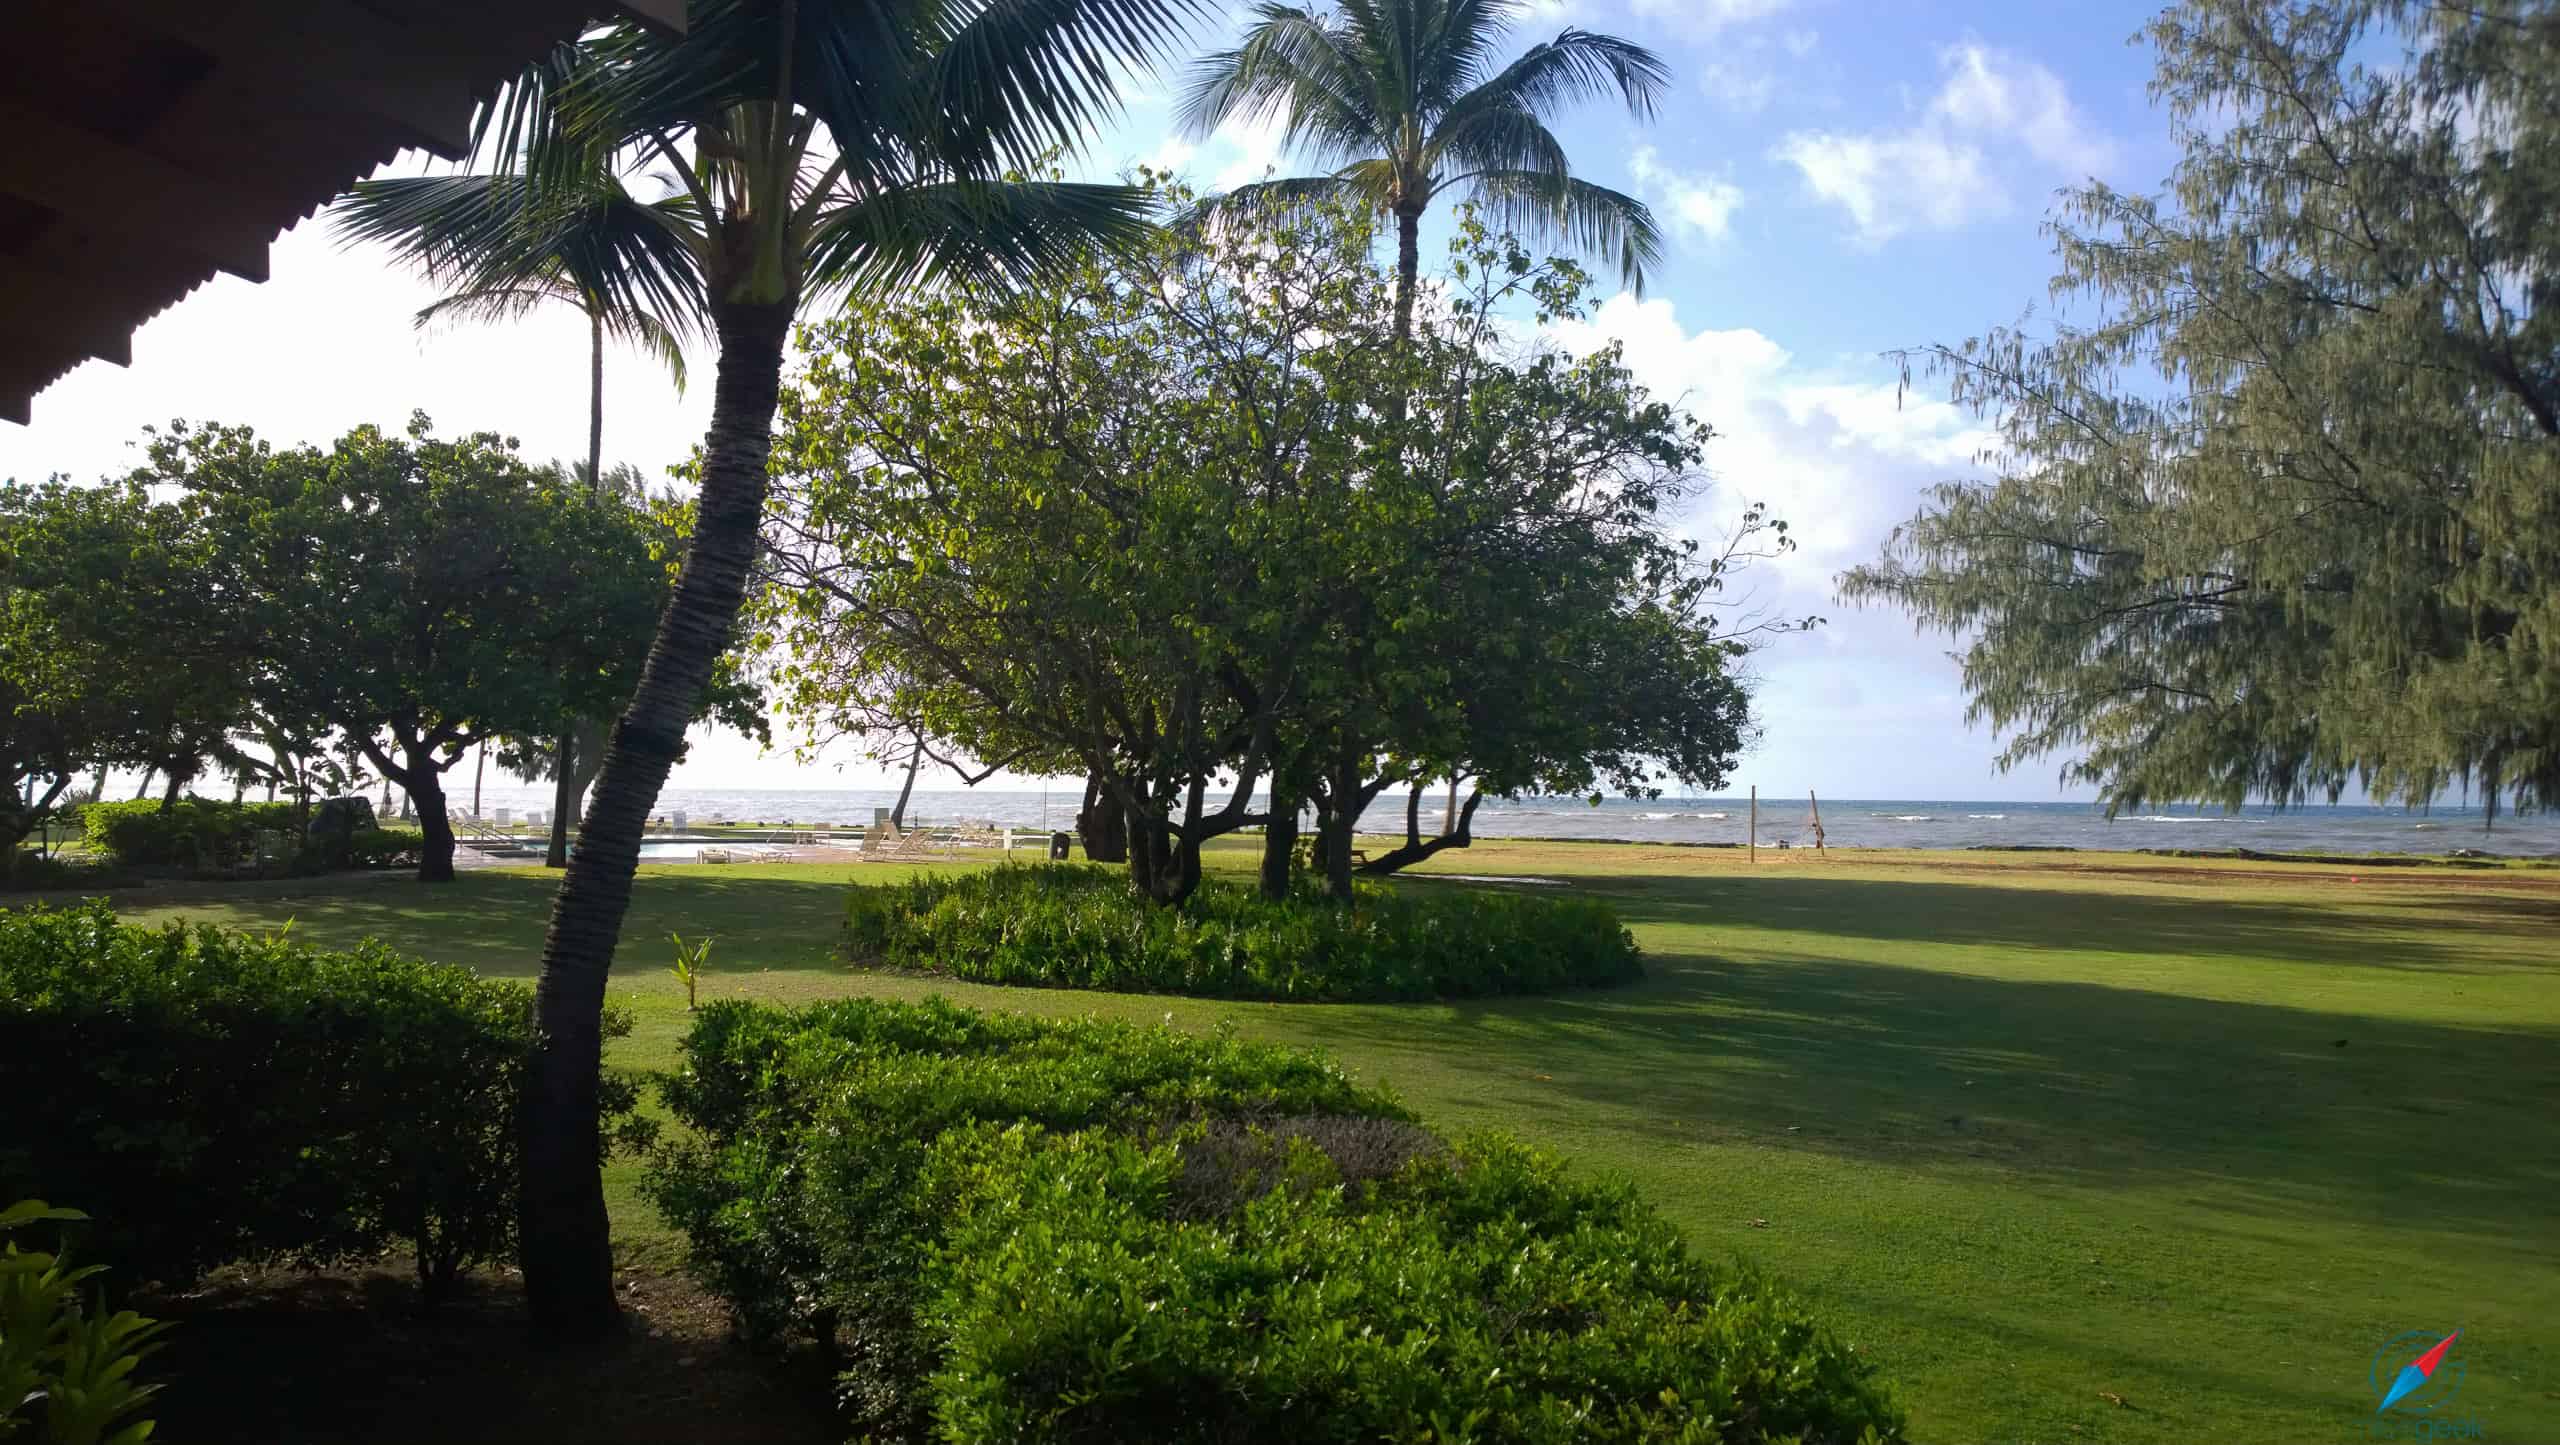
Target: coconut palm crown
point(1406, 100)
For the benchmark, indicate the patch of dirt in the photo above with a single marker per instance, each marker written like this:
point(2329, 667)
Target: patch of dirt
point(281, 1357)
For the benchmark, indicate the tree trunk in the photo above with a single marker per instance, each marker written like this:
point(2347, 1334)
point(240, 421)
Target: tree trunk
point(898, 814)
point(1102, 823)
point(1417, 849)
point(564, 794)
point(595, 405)
point(1449, 820)
point(566, 1240)
point(1408, 270)
point(169, 798)
point(142, 789)
point(425, 787)
point(1279, 846)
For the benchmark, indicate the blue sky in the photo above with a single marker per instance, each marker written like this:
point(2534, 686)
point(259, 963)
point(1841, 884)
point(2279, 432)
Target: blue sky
point(1836, 180)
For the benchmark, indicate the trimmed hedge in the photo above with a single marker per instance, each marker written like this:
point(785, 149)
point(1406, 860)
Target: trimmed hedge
point(203, 834)
point(1474, 1295)
point(192, 833)
point(1012, 1229)
point(1078, 926)
point(216, 1096)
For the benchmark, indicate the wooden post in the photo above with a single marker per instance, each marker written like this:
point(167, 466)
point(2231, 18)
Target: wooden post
point(1817, 819)
point(1752, 845)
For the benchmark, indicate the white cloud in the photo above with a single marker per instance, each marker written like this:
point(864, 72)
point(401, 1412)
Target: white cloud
point(1842, 457)
point(1744, 75)
point(1995, 114)
point(1699, 206)
point(1252, 149)
point(1890, 183)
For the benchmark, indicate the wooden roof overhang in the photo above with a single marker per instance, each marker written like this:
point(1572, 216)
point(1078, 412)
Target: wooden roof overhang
point(152, 143)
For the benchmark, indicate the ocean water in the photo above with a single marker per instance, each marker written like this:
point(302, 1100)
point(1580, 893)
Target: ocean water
point(1846, 822)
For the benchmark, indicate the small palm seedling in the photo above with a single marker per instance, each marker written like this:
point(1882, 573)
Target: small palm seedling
point(690, 957)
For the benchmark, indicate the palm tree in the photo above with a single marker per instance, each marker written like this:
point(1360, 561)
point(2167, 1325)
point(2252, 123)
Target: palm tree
point(1403, 99)
point(820, 146)
point(584, 242)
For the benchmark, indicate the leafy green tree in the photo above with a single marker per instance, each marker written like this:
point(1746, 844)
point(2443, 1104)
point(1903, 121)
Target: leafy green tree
point(1151, 519)
point(1112, 543)
point(504, 245)
point(1404, 99)
point(419, 594)
point(820, 148)
point(2275, 516)
point(112, 651)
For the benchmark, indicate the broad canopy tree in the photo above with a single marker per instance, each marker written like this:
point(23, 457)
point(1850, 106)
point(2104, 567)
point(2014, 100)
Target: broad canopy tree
point(113, 651)
point(419, 594)
point(2276, 517)
point(1156, 519)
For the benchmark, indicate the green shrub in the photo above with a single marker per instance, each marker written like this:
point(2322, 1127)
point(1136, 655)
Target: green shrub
point(192, 833)
point(1474, 1295)
point(796, 1189)
point(1016, 1229)
point(66, 1367)
point(223, 1097)
point(1074, 926)
point(385, 847)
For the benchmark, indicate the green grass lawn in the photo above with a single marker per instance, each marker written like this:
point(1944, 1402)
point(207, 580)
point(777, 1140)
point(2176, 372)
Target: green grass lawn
point(2092, 1147)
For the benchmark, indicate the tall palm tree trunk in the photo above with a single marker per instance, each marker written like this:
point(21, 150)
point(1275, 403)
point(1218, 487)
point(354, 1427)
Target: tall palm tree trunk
point(567, 1249)
point(564, 789)
point(1408, 270)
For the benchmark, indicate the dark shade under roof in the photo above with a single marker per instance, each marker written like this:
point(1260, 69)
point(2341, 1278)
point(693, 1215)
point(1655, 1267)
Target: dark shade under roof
point(153, 143)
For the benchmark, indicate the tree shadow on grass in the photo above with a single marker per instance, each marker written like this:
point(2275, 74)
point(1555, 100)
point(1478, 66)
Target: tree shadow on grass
point(494, 920)
point(2185, 924)
point(2339, 1115)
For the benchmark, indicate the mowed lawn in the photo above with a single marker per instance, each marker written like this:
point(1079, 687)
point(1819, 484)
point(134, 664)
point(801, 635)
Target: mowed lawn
point(2080, 1148)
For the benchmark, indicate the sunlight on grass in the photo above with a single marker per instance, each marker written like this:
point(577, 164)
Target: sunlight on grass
point(2037, 1131)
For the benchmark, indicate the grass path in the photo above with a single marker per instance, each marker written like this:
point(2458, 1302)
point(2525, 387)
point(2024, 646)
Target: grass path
point(2085, 1148)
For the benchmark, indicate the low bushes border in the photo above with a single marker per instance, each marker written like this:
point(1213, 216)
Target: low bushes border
point(216, 1096)
point(1027, 1230)
point(1079, 926)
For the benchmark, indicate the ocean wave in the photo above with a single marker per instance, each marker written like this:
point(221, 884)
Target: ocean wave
point(2166, 818)
point(1664, 817)
point(1987, 817)
point(1905, 817)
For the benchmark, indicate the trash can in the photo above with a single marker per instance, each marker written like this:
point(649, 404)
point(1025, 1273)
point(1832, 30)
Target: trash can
point(1058, 843)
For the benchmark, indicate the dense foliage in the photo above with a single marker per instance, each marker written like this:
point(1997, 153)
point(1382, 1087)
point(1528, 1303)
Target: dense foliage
point(2276, 517)
point(1087, 1287)
point(206, 834)
point(798, 1190)
point(418, 595)
point(220, 1097)
point(1152, 522)
point(67, 1362)
point(1022, 1229)
point(1064, 926)
point(112, 649)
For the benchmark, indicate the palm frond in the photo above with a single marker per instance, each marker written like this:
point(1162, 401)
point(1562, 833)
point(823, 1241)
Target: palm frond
point(1593, 219)
point(1577, 65)
point(1471, 34)
point(1507, 139)
point(496, 233)
point(1017, 79)
point(972, 231)
point(1295, 67)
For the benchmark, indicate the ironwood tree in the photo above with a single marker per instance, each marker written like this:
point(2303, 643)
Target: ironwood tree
point(2272, 508)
